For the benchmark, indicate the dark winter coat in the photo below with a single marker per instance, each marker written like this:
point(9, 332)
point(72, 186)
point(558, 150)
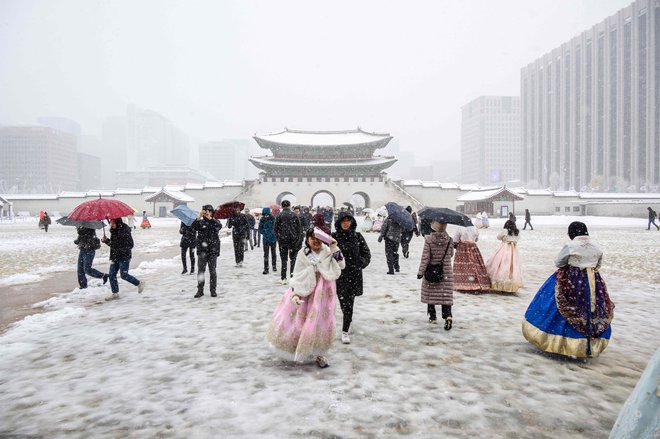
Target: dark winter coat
point(441, 293)
point(306, 220)
point(267, 227)
point(652, 214)
point(239, 225)
point(188, 236)
point(528, 216)
point(208, 240)
point(87, 239)
point(391, 230)
point(288, 229)
point(318, 221)
point(251, 220)
point(356, 254)
point(121, 243)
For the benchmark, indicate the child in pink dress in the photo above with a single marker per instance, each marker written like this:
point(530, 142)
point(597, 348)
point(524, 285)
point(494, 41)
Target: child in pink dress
point(303, 323)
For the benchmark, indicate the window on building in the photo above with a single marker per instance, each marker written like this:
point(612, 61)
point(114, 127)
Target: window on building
point(336, 179)
point(567, 209)
point(346, 179)
point(309, 179)
point(557, 209)
point(300, 179)
point(576, 208)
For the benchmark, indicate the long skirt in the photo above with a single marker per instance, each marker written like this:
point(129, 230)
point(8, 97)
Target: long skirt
point(504, 268)
point(469, 269)
point(566, 318)
point(145, 224)
point(306, 330)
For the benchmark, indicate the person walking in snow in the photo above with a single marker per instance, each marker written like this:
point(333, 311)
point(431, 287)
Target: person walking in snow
point(120, 243)
point(469, 270)
point(208, 249)
point(45, 221)
point(504, 266)
point(303, 324)
point(187, 244)
point(438, 250)
point(288, 231)
point(528, 220)
point(87, 243)
point(652, 216)
point(251, 224)
point(145, 224)
point(240, 227)
point(407, 235)
point(572, 312)
point(256, 236)
point(391, 232)
point(267, 230)
point(356, 258)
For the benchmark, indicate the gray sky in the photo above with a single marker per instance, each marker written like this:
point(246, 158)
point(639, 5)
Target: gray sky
point(226, 69)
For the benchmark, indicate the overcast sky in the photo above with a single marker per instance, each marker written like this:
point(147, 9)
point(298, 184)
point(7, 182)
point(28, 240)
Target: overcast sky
point(226, 69)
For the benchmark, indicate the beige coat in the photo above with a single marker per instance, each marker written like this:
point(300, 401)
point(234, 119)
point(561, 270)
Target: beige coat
point(441, 293)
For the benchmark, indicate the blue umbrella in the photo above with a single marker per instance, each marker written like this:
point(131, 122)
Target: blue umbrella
point(185, 214)
point(400, 215)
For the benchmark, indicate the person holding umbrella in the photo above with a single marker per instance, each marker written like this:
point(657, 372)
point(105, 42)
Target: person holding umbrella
point(87, 243)
point(208, 248)
point(435, 270)
point(120, 243)
point(407, 235)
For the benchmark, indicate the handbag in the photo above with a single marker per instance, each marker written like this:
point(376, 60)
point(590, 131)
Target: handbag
point(434, 272)
point(97, 243)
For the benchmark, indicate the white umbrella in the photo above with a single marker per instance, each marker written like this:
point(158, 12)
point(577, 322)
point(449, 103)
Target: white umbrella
point(367, 210)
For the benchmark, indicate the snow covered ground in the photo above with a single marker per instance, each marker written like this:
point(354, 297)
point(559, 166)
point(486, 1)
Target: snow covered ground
point(163, 364)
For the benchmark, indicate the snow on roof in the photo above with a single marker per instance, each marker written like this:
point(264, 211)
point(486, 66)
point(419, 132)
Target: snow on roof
point(565, 194)
point(431, 184)
point(151, 189)
point(322, 138)
point(449, 186)
point(194, 186)
point(270, 161)
point(3, 200)
point(538, 191)
point(174, 187)
point(617, 196)
point(97, 192)
point(486, 194)
point(412, 183)
point(179, 196)
point(123, 191)
point(67, 194)
point(31, 197)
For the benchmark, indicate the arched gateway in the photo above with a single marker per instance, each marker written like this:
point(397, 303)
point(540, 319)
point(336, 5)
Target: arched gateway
point(340, 164)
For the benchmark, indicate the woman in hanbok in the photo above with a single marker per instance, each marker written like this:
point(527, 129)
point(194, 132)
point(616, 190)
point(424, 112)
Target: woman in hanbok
point(484, 220)
point(572, 312)
point(504, 267)
point(378, 224)
point(303, 324)
point(367, 224)
point(478, 221)
point(470, 273)
point(145, 224)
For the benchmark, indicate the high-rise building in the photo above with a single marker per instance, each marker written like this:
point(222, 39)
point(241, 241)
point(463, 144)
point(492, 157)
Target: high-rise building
point(226, 159)
point(37, 159)
point(490, 140)
point(89, 172)
point(591, 107)
point(113, 154)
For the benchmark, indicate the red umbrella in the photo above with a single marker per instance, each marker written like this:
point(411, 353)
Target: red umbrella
point(275, 209)
point(101, 209)
point(228, 209)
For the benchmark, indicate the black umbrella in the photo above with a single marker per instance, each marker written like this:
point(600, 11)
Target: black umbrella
point(444, 215)
point(400, 216)
point(66, 221)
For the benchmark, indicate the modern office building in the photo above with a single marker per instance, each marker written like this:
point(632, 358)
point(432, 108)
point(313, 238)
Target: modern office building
point(89, 172)
point(490, 140)
point(226, 159)
point(591, 107)
point(37, 159)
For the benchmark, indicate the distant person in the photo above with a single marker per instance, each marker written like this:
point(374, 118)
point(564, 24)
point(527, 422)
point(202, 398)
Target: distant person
point(504, 266)
point(208, 249)
point(288, 231)
point(187, 244)
point(145, 224)
point(391, 232)
point(240, 227)
point(120, 243)
point(484, 220)
point(267, 230)
point(45, 221)
point(407, 235)
point(512, 217)
point(652, 217)
point(256, 236)
point(528, 220)
point(87, 243)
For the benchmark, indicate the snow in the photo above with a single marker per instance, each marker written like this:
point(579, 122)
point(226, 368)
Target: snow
point(162, 364)
point(323, 138)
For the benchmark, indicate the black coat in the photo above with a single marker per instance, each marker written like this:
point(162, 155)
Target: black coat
point(208, 240)
point(188, 236)
point(356, 255)
point(288, 229)
point(87, 239)
point(121, 243)
point(239, 225)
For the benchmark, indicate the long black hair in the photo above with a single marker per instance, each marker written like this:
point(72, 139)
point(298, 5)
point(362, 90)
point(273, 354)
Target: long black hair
point(308, 233)
point(511, 228)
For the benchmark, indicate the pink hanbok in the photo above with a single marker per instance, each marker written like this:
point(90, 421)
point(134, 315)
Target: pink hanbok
point(307, 330)
point(504, 267)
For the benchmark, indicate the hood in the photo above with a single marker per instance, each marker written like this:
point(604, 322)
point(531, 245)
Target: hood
point(265, 211)
point(341, 217)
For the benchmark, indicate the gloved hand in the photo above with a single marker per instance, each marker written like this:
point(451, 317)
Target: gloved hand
point(334, 247)
point(419, 276)
point(296, 300)
point(380, 239)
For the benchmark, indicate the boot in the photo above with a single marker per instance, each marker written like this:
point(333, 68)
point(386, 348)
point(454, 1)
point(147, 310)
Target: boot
point(265, 271)
point(198, 295)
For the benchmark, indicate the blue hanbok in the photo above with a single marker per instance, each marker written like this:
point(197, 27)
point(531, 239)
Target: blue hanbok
point(572, 312)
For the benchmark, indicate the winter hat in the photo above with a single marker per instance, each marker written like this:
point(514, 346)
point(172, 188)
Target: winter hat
point(286, 203)
point(577, 228)
point(208, 207)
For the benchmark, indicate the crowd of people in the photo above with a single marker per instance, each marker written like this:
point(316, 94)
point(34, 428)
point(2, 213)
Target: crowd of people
point(570, 315)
